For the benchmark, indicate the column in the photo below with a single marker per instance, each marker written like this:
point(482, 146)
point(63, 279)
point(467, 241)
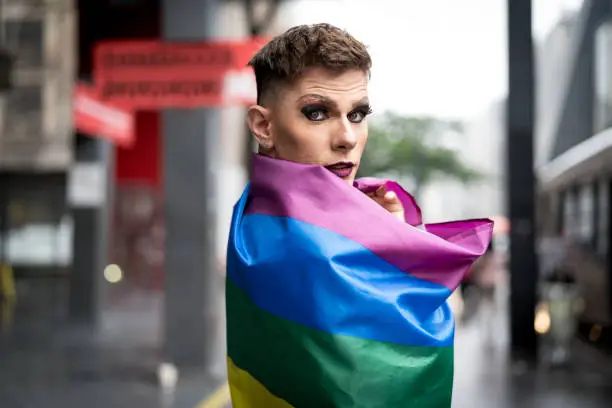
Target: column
point(90, 185)
point(191, 140)
point(521, 181)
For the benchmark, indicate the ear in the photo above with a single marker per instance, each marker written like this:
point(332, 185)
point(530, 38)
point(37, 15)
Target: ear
point(258, 119)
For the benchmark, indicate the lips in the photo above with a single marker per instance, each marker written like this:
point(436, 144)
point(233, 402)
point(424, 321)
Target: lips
point(342, 169)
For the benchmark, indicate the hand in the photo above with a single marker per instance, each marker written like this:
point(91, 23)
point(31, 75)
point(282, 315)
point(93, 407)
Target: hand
point(389, 201)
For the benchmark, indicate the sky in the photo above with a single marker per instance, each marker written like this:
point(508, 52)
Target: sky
point(439, 57)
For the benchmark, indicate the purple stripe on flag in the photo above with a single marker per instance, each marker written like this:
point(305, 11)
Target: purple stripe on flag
point(314, 195)
point(412, 212)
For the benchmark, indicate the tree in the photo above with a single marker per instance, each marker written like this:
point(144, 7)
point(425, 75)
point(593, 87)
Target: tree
point(409, 147)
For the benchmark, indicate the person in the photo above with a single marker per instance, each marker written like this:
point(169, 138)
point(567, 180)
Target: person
point(477, 288)
point(336, 293)
point(313, 102)
point(487, 276)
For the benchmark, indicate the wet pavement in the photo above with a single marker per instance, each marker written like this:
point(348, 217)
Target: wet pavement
point(46, 363)
point(59, 367)
point(485, 377)
point(77, 373)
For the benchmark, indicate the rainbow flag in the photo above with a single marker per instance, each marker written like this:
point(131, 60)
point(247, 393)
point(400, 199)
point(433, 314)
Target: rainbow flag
point(332, 301)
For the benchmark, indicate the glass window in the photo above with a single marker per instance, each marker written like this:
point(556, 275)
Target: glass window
point(24, 113)
point(586, 227)
point(26, 39)
point(569, 213)
point(38, 229)
point(603, 77)
point(603, 221)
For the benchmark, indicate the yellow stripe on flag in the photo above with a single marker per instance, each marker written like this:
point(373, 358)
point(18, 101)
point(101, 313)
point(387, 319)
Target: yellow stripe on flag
point(247, 392)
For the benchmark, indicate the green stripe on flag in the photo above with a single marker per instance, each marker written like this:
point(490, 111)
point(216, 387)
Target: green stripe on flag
point(311, 368)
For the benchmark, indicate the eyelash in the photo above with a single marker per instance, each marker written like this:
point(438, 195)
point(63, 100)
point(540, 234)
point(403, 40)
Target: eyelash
point(308, 111)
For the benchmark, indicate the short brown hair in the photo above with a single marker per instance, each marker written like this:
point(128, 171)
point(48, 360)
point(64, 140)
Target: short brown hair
point(288, 55)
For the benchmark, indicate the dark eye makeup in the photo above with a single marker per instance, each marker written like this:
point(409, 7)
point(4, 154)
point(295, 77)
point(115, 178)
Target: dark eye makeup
point(315, 112)
point(358, 114)
point(318, 112)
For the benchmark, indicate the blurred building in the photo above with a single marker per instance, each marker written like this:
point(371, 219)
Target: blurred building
point(36, 132)
point(573, 116)
point(551, 58)
point(574, 155)
point(35, 115)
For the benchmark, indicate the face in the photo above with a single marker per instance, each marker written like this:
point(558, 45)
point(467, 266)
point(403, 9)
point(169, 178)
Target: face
point(319, 119)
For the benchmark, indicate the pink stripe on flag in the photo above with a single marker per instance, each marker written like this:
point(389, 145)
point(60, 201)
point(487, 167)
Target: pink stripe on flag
point(442, 254)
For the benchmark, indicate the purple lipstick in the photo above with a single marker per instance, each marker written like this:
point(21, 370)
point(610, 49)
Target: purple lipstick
point(341, 169)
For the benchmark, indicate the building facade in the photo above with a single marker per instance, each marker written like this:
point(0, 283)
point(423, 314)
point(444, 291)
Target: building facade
point(36, 132)
point(575, 151)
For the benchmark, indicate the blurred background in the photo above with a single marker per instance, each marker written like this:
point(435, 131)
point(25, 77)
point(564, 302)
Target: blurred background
point(122, 154)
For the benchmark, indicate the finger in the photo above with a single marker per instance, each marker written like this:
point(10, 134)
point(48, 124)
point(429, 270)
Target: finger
point(390, 197)
point(380, 191)
point(392, 201)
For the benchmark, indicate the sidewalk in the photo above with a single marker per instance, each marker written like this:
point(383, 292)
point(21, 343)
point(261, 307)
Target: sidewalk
point(41, 369)
point(484, 376)
point(45, 364)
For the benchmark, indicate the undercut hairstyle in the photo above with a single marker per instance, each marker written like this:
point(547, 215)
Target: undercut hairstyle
point(288, 55)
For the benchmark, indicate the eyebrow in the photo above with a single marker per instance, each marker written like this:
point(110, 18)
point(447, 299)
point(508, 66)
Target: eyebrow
point(330, 102)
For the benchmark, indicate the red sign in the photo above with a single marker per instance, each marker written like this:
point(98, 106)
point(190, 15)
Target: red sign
point(152, 75)
point(100, 119)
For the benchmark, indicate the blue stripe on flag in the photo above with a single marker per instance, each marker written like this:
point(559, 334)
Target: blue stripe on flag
point(317, 278)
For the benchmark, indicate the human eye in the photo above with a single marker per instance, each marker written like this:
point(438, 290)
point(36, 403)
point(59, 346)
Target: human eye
point(359, 114)
point(315, 113)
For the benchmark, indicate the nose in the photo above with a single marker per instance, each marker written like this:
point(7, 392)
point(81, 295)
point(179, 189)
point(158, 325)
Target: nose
point(345, 138)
